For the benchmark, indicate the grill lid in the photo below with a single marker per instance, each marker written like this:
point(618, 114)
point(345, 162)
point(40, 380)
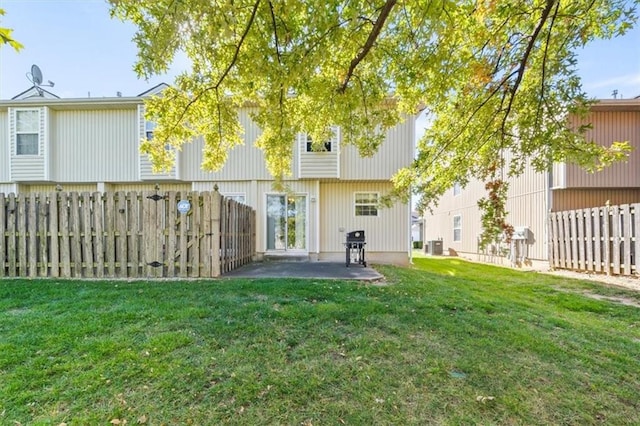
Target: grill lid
point(355, 236)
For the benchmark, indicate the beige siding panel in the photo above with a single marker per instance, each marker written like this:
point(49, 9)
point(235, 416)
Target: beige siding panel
point(95, 146)
point(395, 152)
point(572, 199)
point(140, 187)
point(52, 188)
point(388, 232)
point(244, 162)
point(4, 146)
point(608, 127)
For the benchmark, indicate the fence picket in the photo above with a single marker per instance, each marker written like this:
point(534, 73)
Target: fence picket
point(54, 237)
point(98, 212)
point(76, 253)
point(65, 243)
point(133, 246)
point(4, 255)
point(43, 244)
point(626, 234)
point(12, 249)
point(636, 238)
point(86, 234)
point(588, 224)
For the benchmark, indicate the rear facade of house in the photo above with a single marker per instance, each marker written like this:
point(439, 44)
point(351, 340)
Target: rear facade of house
point(89, 145)
point(456, 220)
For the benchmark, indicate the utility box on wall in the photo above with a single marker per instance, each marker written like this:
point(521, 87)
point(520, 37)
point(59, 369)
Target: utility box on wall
point(433, 247)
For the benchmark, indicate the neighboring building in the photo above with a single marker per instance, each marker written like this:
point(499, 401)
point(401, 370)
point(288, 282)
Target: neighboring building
point(417, 228)
point(92, 144)
point(456, 219)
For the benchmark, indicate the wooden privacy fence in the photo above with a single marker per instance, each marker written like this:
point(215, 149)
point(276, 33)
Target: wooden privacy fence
point(118, 235)
point(601, 239)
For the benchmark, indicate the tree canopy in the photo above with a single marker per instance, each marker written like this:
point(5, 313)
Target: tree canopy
point(495, 77)
point(6, 37)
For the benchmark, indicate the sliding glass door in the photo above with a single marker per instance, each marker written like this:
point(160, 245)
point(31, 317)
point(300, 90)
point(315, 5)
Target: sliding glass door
point(286, 222)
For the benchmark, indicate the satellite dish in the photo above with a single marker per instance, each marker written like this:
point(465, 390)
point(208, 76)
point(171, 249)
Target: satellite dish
point(36, 75)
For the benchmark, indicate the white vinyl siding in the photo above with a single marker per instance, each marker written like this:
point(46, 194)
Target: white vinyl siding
point(322, 163)
point(4, 147)
point(366, 203)
point(457, 228)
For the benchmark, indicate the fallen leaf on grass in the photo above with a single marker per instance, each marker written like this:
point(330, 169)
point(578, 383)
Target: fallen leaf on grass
point(142, 419)
point(484, 399)
point(118, 422)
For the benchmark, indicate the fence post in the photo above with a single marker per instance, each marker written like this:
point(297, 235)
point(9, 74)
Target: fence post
point(215, 232)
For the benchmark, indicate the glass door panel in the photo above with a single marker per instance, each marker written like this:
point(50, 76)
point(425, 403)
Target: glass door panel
point(286, 222)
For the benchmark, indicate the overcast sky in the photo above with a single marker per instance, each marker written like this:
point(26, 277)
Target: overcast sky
point(79, 47)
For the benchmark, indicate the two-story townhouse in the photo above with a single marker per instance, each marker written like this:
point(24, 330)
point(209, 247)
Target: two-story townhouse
point(92, 144)
point(456, 219)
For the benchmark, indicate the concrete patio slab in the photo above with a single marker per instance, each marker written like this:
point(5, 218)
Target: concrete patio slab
point(318, 269)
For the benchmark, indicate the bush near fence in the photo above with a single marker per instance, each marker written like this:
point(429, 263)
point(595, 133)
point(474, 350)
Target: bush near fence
point(117, 235)
point(601, 239)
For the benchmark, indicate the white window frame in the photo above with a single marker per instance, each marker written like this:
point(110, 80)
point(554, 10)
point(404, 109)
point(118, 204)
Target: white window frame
point(373, 205)
point(457, 236)
point(18, 132)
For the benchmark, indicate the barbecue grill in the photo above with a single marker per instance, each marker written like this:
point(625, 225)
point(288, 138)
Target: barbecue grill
point(355, 248)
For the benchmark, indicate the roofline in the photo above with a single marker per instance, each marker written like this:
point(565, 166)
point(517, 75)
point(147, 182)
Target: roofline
point(93, 102)
point(16, 97)
point(616, 105)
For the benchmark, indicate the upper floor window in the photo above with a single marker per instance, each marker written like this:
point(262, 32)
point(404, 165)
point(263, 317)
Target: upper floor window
point(366, 204)
point(457, 228)
point(326, 147)
point(149, 127)
point(27, 132)
point(457, 188)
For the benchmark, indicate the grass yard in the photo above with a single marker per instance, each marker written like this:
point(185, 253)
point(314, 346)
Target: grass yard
point(447, 342)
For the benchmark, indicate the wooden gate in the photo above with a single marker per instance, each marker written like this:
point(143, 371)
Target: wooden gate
point(119, 234)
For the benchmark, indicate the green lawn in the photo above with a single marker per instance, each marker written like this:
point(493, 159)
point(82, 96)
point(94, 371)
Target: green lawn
point(447, 342)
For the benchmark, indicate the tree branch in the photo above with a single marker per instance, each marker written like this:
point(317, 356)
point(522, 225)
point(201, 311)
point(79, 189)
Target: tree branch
point(525, 58)
point(275, 31)
point(373, 35)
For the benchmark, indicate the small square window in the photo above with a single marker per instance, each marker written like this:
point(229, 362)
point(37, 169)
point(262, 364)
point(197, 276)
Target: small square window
point(366, 204)
point(326, 147)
